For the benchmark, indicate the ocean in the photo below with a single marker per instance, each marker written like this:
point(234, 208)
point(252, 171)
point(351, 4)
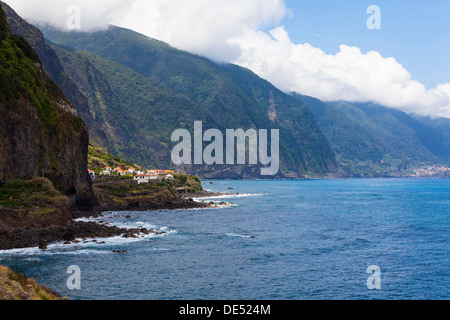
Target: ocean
point(282, 240)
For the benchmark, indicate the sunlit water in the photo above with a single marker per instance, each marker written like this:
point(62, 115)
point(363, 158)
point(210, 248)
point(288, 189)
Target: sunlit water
point(283, 240)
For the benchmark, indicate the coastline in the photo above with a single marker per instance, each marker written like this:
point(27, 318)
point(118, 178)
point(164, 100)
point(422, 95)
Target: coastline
point(217, 235)
point(19, 237)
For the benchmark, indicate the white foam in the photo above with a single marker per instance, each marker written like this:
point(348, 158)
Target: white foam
point(116, 220)
point(230, 196)
point(217, 204)
point(80, 246)
point(239, 235)
point(90, 246)
point(24, 251)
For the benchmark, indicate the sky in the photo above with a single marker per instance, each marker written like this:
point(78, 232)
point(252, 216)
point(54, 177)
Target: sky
point(321, 48)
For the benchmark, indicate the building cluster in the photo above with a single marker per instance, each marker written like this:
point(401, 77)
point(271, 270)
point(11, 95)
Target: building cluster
point(139, 175)
point(430, 171)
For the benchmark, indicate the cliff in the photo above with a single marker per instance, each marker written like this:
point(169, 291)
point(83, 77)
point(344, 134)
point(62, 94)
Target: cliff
point(40, 132)
point(152, 89)
point(54, 67)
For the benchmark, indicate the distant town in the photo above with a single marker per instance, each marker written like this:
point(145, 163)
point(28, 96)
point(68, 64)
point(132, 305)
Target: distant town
point(434, 171)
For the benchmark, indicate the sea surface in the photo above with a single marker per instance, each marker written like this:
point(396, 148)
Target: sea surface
point(282, 240)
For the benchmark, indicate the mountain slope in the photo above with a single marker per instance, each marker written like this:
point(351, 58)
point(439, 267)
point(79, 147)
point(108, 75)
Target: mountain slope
point(405, 141)
point(298, 125)
point(356, 148)
point(137, 116)
point(420, 140)
point(40, 133)
point(371, 140)
point(55, 69)
point(219, 90)
point(441, 124)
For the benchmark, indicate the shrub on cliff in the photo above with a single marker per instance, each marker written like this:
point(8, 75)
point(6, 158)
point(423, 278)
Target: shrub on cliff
point(15, 286)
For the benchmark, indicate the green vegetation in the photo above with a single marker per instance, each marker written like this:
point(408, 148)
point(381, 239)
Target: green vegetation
point(41, 136)
point(16, 286)
point(441, 124)
point(31, 194)
point(138, 116)
point(189, 181)
point(123, 190)
point(374, 141)
point(133, 92)
point(98, 160)
point(127, 191)
point(19, 77)
point(3, 26)
point(153, 89)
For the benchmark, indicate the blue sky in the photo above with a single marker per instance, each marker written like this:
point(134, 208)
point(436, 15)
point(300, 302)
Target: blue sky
point(415, 32)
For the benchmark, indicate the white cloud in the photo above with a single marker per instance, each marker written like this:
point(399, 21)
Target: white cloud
point(94, 14)
point(232, 31)
point(199, 26)
point(202, 26)
point(349, 75)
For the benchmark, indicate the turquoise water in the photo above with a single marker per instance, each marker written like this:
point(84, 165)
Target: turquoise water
point(285, 240)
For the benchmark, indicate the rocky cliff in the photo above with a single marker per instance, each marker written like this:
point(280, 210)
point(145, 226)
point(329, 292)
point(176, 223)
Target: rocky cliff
point(54, 67)
point(40, 132)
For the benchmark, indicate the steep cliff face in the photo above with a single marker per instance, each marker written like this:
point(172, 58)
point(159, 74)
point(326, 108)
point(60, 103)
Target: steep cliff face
point(40, 133)
point(53, 66)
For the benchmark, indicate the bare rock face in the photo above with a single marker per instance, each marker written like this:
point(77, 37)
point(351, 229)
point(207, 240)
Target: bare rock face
point(40, 134)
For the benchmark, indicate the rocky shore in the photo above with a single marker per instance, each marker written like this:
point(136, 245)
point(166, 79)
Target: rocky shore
point(204, 194)
point(24, 237)
point(14, 286)
point(20, 237)
point(183, 202)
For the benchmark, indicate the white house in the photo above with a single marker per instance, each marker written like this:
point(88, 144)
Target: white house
point(142, 178)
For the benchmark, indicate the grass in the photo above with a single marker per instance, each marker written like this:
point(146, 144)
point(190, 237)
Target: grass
point(184, 180)
point(99, 159)
point(32, 193)
point(18, 277)
point(28, 285)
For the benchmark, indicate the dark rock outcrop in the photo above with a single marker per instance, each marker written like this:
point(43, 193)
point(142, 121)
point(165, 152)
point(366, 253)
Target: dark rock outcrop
point(21, 237)
point(40, 132)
